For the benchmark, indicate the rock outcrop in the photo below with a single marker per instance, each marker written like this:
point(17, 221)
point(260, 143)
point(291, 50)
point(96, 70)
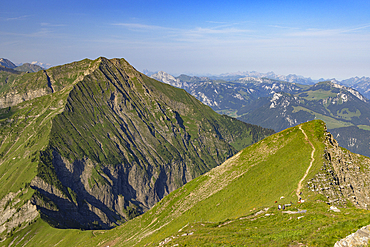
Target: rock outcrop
point(344, 176)
point(14, 216)
point(15, 98)
point(359, 238)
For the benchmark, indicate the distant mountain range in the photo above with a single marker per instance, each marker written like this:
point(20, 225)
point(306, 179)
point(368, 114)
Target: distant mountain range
point(270, 75)
point(25, 67)
point(279, 104)
point(7, 63)
point(43, 65)
point(361, 84)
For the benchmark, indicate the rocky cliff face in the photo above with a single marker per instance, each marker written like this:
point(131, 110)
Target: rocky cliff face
point(344, 177)
point(11, 216)
point(15, 98)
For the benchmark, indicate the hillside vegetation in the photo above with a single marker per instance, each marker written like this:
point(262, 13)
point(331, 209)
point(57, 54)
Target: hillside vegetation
point(235, 204)
point(92, 144)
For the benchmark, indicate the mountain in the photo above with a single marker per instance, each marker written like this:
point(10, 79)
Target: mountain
point(278, 105)
point(166, 78)
point(42, 65)
point(92, 144)
point(292, 78)
point(240, 75)
point(345, 111)
point(360, 84)
point(322, 187)
point(270, 75)
point(341, 105)
point(28, 67)
point(227, 97)
point(25, 67)
point(7, 63)
point(354, 80)
point(3, 68)
point(148, 73)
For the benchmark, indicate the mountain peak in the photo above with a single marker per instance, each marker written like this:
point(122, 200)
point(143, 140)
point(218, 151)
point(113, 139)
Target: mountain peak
point(334, 83)
point(7, 63)
point(166, 78)
point(43, 65)
point(28, 67)
point(106, 142)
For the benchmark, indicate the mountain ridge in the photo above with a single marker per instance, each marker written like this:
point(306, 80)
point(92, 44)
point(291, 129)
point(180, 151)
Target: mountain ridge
point(28, 67)
point(105, 142)
point(24, 67)
point(7, 63)
point(234, 203)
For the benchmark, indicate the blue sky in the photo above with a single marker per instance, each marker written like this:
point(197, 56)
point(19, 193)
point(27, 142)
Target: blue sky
point(329, 39)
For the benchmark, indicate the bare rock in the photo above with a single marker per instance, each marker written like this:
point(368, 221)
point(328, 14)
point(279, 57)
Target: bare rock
point(13, 215)
point(359, 238)
point(15, 98)
point(343, 176)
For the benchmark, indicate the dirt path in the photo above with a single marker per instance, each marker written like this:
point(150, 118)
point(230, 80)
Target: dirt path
point(308, 169)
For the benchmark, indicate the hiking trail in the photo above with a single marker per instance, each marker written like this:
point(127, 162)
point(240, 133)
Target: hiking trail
point(309, 167)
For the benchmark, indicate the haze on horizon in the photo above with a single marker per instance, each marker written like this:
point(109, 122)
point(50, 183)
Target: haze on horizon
point(317, 39)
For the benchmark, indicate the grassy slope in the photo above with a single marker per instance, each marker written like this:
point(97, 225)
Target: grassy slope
point(25, 128)
point(332, 123)
point(22, 138)
point(254, 179)
point(59, 76)
point(147, 98)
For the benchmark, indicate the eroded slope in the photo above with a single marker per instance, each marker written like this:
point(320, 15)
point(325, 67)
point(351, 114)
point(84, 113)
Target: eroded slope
point(103, 143)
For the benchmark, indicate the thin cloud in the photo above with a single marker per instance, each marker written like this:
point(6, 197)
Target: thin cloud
point(316, 33)
point(23, 17)
point(216, 22)
point(140, 27)
point(326, 32)
point(358, 28)
point(45, 24)
point(41, 33)
point(201, 30)
point(282, 27)
point(187, 35)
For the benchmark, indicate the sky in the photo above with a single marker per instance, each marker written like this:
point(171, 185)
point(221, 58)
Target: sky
point(317, 39)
